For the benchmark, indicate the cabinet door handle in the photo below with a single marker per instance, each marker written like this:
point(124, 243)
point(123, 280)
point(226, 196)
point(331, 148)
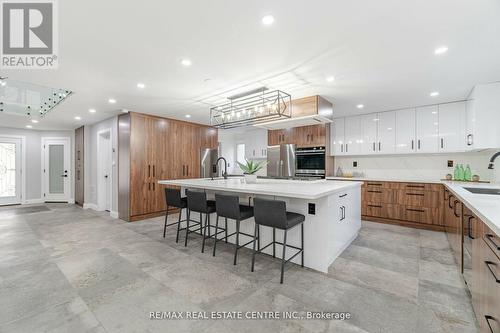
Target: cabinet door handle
point(455, 208)
point(442, 143)
point(254, 152)
point(418, 144)
point(374, 184)
point(307, 138)
point(372, 191)
point(154, 186)
point(416, 194)
point(149, 170)
point(346, 148)
point(341, 213)
point(418, 186)
point(374, 206)
point(412, 144)
point(490, 237)
point(149, 186)
point(154, 170)
point(341, 148)
point(470, 140)
point(415, 210)
point(379, 146)
point(187, 170)
point(469, 226)
point(183, 170)
point(489, 264)
point(312, 136)
point(343, 195)
point(488, 318)
point(344, 213)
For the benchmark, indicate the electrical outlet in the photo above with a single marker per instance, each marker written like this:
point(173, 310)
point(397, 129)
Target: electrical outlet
point(355, 164)
point(450, 163)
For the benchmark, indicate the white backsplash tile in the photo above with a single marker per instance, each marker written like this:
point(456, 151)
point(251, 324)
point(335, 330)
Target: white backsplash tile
point(415, 167)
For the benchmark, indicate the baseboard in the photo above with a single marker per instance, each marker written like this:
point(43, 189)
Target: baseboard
point(71, 201)
point(33, 201)
point(113, 214)
point(89, 206)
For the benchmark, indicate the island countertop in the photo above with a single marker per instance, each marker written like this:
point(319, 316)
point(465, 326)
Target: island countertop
point(276, 187)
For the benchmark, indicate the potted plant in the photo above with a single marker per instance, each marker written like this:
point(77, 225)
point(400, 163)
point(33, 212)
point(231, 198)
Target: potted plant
point(250, 169)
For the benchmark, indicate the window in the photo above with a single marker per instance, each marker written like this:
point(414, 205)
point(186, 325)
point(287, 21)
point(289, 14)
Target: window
point(240, 152)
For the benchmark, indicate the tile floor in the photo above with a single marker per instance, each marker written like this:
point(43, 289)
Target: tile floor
point(74, 270)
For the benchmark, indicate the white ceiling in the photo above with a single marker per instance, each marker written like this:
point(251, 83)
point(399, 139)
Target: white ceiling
point(380, 52)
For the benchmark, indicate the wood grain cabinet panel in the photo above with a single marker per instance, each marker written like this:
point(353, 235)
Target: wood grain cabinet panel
point(160, 148)
point(305, 106)
point(425, 215)
point(380, 195)
point(489, 317)
point(419, 198)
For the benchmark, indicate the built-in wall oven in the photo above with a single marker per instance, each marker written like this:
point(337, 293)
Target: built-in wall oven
point(310, 162)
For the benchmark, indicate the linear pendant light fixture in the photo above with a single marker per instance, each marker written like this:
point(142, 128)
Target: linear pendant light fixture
point(251, 108)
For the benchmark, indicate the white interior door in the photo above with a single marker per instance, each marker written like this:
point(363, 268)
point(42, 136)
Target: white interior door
point(56, 164)
point(10, 170)
point(104, 170)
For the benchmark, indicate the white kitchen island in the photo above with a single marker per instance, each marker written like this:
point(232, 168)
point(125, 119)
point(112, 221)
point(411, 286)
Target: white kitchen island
point(332, 210)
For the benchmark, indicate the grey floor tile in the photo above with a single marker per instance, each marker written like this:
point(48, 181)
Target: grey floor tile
point(444, 257)
point(437, 272)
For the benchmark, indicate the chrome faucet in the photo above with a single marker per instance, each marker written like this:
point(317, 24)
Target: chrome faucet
point(224, 174)
point(492, 159)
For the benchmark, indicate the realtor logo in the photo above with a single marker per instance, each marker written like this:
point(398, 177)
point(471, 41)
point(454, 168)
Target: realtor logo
point(29, 36)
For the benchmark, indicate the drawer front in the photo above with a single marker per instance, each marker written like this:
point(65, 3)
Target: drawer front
point(490, 317)
point(382, 210)
point(379, 195)
point(419, 198)
point(422, 215)
point(492, 240)
point(417, 186)
point(376, 185)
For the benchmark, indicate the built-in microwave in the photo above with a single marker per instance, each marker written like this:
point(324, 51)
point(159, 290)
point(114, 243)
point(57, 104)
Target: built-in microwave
point(310, 162)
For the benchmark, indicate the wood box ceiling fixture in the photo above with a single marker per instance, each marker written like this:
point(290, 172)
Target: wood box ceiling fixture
point(251, 108)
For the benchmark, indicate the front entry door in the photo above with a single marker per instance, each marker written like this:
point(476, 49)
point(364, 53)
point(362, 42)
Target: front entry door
point(56, 169)
point(10, 171)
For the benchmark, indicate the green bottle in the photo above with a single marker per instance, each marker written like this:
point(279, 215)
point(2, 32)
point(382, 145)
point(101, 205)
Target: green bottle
point(455, 173)
point(468, 174)
point(460, 172)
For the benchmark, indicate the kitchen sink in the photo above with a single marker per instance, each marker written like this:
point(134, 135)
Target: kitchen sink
point(479, 190)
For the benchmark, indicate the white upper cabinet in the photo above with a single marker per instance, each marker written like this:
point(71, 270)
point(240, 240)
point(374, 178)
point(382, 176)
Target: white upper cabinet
point(337, 138)
point(352, 135)
point(255, 144)
point(427, 129)
point(483, 117)
point(405, 131)
point(386, 132)
point(452, 127)
point(369, 139)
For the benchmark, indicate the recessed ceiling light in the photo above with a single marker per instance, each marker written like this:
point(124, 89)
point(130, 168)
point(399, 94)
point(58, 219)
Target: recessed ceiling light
point(330, 78)
point(441, 50)
point(434, 93)
point(34, 121)
point(188, 116)
point(112, 101)
point(268, 20)
point(29, 126)
point(186, 62)
point(141, 85)
point(3, 83)
point(360, 106)
point(92, 110)
point(78, 118)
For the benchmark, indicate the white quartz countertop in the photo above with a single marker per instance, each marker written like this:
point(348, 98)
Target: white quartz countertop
point(485, 206)
point(364, 179)
point(276, 187)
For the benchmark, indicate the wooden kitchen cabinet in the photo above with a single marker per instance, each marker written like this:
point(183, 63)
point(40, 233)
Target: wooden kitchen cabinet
point(151, 149)
point(304, 136)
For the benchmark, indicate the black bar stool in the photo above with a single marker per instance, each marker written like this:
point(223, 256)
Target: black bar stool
point(197, 202)
point(228, 206)
point(173, 199)
point(272, 213)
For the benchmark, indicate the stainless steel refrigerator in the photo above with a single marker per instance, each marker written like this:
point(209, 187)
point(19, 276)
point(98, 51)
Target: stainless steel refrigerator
point(281, 161)
point(208, 158)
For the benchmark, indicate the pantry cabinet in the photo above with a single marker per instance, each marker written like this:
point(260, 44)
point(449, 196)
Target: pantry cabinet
point(151, 149)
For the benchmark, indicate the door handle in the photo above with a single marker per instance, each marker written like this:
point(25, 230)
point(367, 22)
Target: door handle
point(442, 143)
point(373, 145)
point(418, 145)
point(455, 208)
point(346, 148)
point(470, 140)
point(379, 146)
point(412, 144)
